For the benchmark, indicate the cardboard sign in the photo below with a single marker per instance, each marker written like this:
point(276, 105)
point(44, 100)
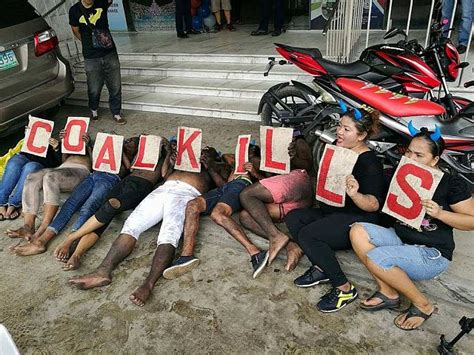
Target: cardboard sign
point(148, 154)
point(75, 129)
point(37, 136)
point(242, 153)
point(274, 142)
point(336, 164)
point(411, 183)
point(107, 153)
point(188, 149)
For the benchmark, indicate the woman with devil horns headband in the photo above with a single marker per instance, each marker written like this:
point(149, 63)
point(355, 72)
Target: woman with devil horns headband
point(400, 255)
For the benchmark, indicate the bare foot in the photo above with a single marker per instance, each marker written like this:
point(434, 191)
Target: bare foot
point(32, 248)
point(62, 251)
point(293, 256)
point(140, 295)
point(94, 279)
point(276, 244)
point(73, 263)
point(23, 232)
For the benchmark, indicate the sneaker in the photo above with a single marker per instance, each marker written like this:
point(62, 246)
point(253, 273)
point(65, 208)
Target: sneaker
point(94, 115)
point(336, 299)
point(231, 28)
point(259, 33)
point(311, 277)
point(259, 261)
point(182, 35)
point(217, 27)
point(181, 266)
point(119, 119)
point(461, 49)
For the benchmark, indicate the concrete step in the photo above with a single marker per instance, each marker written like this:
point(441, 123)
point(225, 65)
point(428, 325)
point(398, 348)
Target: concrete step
point(210, 70)
point(189, 105)
point(246, 89)
point(208, 58)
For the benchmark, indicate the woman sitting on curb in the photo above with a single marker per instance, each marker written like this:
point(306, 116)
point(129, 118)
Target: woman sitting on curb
point(400, 255)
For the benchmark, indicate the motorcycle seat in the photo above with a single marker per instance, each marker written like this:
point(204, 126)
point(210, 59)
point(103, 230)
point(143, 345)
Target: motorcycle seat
point(347, 69)
point(315, 53)
point(388, 102)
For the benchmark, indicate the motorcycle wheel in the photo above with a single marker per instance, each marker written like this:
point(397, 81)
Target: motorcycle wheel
point(318, 149)
point(294, 98)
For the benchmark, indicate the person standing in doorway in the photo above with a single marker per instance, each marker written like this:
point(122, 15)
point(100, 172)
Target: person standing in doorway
point(216, 7)
point(89, 23)
point(265, 9)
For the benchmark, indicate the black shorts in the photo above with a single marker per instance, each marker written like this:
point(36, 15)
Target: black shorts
point(228, 194)
point(129, 192)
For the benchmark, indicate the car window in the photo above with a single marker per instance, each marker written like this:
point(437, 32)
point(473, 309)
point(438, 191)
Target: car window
point(14, 12)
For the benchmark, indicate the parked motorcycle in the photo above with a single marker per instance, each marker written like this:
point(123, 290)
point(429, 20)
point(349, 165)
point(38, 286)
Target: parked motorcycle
point(314, 109)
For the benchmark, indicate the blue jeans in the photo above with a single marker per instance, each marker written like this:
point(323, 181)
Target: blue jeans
point(90, 194)
point(418, 261)
point(466, 18)
point(105, 69)
point(11, 186)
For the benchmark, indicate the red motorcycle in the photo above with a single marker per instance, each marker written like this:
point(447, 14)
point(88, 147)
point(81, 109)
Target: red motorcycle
point(314, 109)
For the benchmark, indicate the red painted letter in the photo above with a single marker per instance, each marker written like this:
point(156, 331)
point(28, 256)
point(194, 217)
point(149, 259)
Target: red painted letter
point(243, 149)
point(426, 182)
point(322, 178)
point(31, 138)
point(139, 163)
point(186, 146)
point(269, 163)
point(106, 149)
point(79, 147)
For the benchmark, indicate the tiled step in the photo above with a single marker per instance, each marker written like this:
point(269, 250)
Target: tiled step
point(246, 89)
point(208, 58)
point(210, 70)
point(189, 105)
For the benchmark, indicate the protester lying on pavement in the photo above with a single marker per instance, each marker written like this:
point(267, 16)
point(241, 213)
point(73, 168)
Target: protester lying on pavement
point(64, 178)
point(167, 203)
point(18, 168)
point(321, 231)
point(400, 255)
point(219, 203)
point(269, 200)
point(124, 196)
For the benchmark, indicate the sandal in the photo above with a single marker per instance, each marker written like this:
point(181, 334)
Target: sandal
point(2, 217)
point(119, 119)
point(14, 215)
point(411, 312)
point(387, 303)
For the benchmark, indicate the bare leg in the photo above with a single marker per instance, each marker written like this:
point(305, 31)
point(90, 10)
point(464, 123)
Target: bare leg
point(162, 259)
point(91, 225)
point(221, 215)
point(227, 16)
point(121, 248)
point(84, 245)
point(48, 215)
point(27, 230)
point(218, 17)
point(253, 199)
point(35, 246)
point(194, 209)
point(361, 245)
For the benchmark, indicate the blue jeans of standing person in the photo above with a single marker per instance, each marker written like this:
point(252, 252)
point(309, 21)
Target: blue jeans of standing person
point(466, 18)
point(11, 186)
point(87, 197)
point(104, 70)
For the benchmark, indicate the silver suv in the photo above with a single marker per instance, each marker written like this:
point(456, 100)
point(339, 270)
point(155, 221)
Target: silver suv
point(34, 77)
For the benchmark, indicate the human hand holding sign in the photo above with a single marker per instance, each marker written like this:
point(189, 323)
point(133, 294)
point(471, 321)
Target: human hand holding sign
point(248, 167)
point(54, 143)
point(432, 208)
point(352, 186)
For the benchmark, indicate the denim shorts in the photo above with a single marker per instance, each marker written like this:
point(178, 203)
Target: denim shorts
point(418, 261)
point(228, 194)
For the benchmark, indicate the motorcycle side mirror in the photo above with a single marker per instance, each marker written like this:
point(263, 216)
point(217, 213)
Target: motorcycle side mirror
point(462, 65)
point(469, 84)
point(393, 32)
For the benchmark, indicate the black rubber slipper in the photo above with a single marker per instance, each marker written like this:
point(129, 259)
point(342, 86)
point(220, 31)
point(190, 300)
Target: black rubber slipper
point(386, 303)
point(411, 312)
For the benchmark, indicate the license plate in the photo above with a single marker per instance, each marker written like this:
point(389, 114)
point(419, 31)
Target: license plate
point(8, 60)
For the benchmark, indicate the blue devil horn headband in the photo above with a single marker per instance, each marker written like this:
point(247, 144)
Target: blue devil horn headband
point(253, 142)
point(357, 113)
point(435, 136)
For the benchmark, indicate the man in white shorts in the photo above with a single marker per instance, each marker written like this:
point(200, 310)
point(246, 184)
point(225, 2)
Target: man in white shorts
point(167, 203)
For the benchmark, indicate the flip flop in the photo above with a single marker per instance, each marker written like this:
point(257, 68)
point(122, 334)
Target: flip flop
point(2, 217)
point(386, 303)
point(411, 312)
point(15, 215)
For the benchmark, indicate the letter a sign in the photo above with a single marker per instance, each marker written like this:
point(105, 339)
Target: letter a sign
point(274, 145)
point(336, 164)
point(37, 136)
point(107, 153)
point(411, 183)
